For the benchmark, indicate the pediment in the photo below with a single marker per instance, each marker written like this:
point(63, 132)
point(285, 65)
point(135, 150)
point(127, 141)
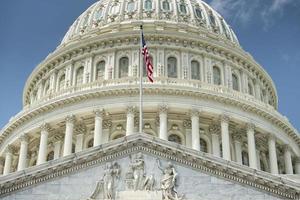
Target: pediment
point(140, 167)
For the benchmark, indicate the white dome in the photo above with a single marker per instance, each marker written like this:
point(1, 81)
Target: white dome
point(192, 13)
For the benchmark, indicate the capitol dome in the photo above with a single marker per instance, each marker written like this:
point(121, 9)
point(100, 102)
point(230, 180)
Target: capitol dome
point(210, 119)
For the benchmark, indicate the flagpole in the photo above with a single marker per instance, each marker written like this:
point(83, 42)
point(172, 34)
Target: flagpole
point(141, 83)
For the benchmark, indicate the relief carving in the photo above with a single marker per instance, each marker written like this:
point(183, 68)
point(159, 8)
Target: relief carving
point(168, 182)
point(107, 184)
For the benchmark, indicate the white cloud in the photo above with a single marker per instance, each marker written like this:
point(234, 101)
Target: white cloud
point(242, 11)
point(238, 10)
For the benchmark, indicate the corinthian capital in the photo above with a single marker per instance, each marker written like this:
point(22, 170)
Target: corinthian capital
point(70, 118)
point(24, 138)
point(250, 126)
point(131, 110)
point(163, 109)
point(99, 113)
point(195, 113)
point(45, 127)
point(224, 118)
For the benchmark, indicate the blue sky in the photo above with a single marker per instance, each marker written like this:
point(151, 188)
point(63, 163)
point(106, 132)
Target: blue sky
point(268, 29)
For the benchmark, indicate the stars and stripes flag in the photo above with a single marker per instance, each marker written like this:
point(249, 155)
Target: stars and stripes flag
point(147, 59)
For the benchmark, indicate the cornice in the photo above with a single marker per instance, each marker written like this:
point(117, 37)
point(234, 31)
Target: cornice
point(153, 89)
point(89, 46)
point(119, 148)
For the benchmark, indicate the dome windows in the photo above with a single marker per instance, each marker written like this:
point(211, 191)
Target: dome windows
point(166, 5)
point(148, 5)
point(172, 67)
point(195, 70)
point(98, 14)
point(198, 13)
point(131, 6)
point(235, 82)
point(79, 75)
point(100, 70)
point(182, 8)
point(123, 67)
point(216, 75)
point(115, 9)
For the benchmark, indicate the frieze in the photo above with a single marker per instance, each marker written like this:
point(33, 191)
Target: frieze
point(144, 144)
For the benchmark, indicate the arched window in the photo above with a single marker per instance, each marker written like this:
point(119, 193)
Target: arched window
point(90, 143)
point(130, 6)
point(166, 5)
point(217, 75)
point(195, 70)
point(203, 146)
point(182, 8)
point(61, 82)
point(250, 89)
point(115, 9)
point(85, 20)
point(245, 158)
point(79, 76)
point(212, 19)
point(174, 138)
point(172, 67)
point(198, 12)
point(123, 67)
point(50, 156)
point(235, 82)
point(98, 14)
point(148, 5)
point(100, 70)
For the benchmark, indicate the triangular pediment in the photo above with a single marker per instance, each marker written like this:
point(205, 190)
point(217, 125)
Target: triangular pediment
point(86, 175)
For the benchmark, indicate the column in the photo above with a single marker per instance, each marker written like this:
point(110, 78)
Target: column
point(2, 160)
point(98, 130)
point(23, 153)
point(8, 161)
point(272, 155)
point(258, 159)
point(215, 136)
point(69, 135)
point(130, 120)
point(187, 124)
point(251, 146)
point(163, 122)
point(238, 148)
point(195, 130)
point(225, 137)
point(57, 148)
point(297, 165)
point(79, 142)
point(288, 160)
point(42, 155)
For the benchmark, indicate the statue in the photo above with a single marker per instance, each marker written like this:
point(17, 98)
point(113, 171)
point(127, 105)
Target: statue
point(136, 178)
point(137, 165)
point(111, 172)
point(168, 182)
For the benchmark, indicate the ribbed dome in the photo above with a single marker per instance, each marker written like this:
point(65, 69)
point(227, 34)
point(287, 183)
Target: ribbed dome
point(106, 13)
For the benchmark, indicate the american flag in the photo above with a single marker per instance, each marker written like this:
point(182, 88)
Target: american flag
point(147, 59)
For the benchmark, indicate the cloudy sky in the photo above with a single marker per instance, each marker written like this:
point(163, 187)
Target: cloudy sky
point(268, 29)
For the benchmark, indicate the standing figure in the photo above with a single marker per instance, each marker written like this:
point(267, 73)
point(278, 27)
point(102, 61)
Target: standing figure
point(111, 172)
point(168, 182)
point(138, 166)
point(106, 184)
